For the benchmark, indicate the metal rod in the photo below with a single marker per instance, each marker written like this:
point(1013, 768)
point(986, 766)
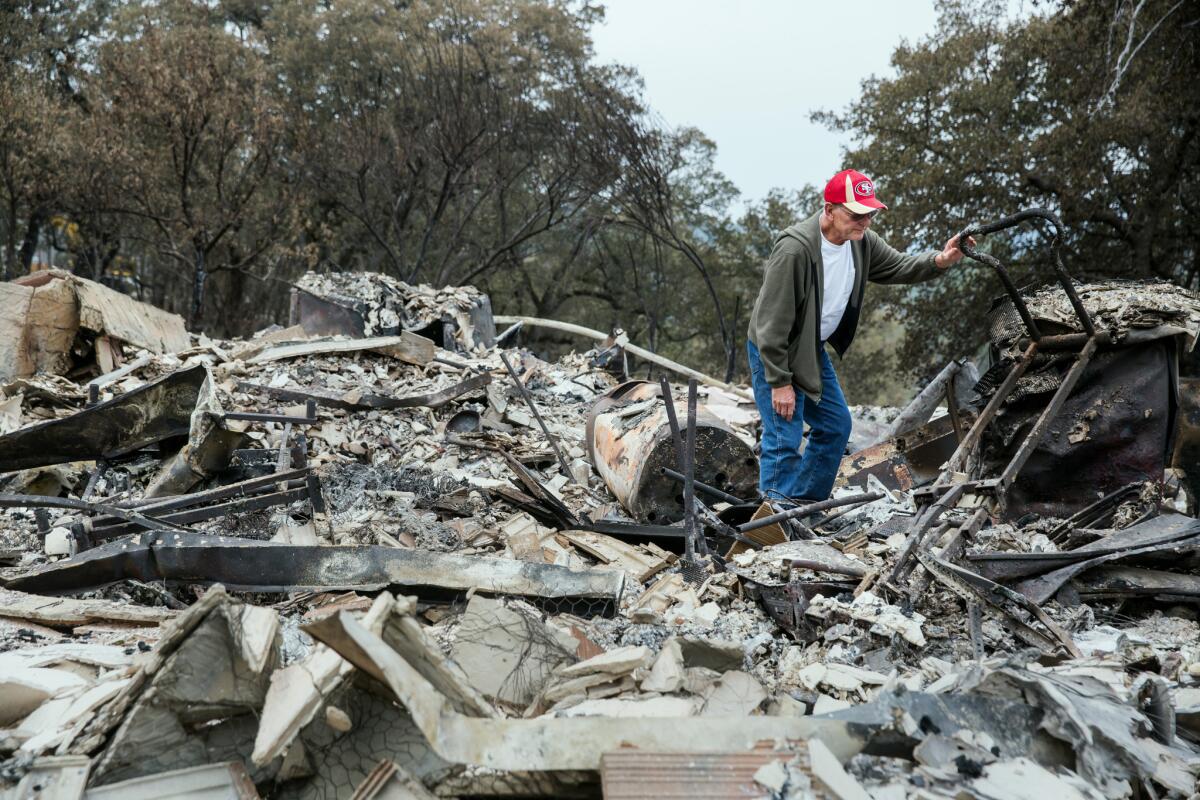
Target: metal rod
point(31, 501)
point(952, 550)
point(923, 523)
point(955, 462)
point(241, 488)
point(512, 329)
point(243, 505)
point(1064, 279)
point(310, 415)
point(689, 470)
point(512, 373)
point(952, 409)
point(1068, 341)
point(1048, 413)
point(711, 491)
point(811, 508)
point(673, 422)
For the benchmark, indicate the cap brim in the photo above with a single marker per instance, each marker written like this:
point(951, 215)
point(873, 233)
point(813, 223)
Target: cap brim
point(870, 205)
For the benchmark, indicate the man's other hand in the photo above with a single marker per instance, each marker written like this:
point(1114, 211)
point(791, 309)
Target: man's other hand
point(951, 254)
point(783, 400)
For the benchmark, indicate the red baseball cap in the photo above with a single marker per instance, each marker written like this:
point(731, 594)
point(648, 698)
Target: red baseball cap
point(853, 190)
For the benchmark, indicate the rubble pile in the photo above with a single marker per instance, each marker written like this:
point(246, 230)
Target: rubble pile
point(344, 559)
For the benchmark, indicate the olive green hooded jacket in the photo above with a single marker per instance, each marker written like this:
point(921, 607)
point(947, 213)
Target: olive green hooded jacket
point(785, 325)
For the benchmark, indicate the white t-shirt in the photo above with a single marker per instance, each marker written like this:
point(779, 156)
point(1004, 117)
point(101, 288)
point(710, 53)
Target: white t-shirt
point(839, 281)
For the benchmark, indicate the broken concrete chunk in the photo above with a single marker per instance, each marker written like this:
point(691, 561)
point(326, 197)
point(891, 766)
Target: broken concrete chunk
point(211, 668)
point(551, 744)
point(24, 689)
point(828, 774)
point(619, 661)
point(667, 671)
point(506, 654)
point(735, 694)
point(635, 707)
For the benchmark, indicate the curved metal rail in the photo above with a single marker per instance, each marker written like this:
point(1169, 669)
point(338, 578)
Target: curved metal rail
point(1064, 278)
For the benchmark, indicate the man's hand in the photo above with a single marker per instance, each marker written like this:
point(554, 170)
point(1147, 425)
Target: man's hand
point(783, 400)
point(951, 254)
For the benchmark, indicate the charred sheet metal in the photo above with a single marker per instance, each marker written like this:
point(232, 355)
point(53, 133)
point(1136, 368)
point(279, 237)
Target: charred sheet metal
point(151, 413)
point(1115, 583)
point(1171, 544)
point(902, 463)
point(786, 602)
point(1114, 429)
point(1187, 432)
point(254, 566)
point(630, 443)
point(323, 317)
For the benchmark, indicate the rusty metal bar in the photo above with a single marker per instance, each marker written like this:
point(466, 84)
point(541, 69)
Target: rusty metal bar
point(689, 473)
point(295, 490)
point(1068, 341)
point(1064, 278)
point(711, 491)
point(70, 503)
point(923, 523)
point(1048, 413)
point(244, 488)
point(811, 508)
point(952, 550)
point(971, 440)
point(562, 460)
point(673, 422)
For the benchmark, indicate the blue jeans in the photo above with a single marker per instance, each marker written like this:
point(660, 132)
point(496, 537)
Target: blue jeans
point(782, 470)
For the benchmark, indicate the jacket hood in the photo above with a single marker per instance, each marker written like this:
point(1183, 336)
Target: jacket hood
point(801, 231)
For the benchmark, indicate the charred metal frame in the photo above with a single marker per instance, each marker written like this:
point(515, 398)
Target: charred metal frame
point(945, 488)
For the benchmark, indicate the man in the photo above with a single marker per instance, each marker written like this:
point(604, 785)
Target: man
point(812, 291)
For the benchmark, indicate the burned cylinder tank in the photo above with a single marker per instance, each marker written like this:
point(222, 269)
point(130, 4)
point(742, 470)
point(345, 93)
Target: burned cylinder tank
point(629, 442)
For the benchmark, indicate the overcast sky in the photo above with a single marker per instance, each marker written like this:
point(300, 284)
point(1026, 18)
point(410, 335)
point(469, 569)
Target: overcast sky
point(748, 72)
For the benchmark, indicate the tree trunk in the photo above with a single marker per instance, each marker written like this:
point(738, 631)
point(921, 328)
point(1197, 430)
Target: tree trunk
point(33, 232)
point(10, 244)
point(199, 276)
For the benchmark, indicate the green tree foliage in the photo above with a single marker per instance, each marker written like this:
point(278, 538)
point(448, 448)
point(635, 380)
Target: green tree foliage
point(1088, 109)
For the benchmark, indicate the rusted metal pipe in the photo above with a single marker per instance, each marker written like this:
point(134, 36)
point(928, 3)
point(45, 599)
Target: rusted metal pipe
point(811, 508)
point(562, 460)
point(629, 441)
point(711, 491)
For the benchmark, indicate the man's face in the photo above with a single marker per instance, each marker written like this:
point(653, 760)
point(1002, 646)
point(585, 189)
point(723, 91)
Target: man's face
point(846, 224)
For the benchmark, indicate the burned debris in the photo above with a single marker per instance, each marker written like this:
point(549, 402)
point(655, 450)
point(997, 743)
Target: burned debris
point(377, 554)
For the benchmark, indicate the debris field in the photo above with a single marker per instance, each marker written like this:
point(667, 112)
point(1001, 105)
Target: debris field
point(385, 552)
